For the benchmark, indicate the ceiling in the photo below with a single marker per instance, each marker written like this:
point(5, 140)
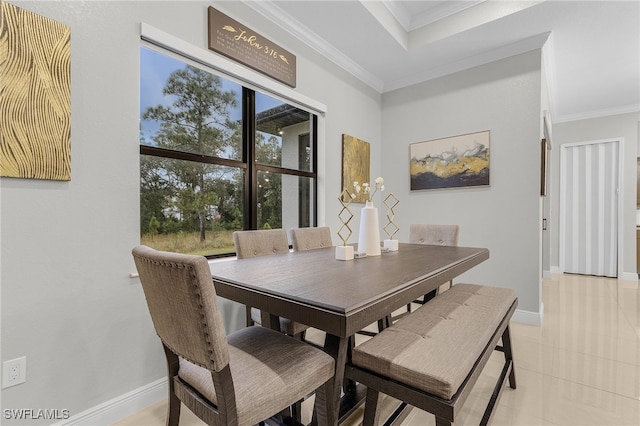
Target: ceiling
point(591, 49)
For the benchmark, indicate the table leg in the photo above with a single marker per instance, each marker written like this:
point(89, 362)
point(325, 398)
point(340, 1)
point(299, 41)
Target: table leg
point(349, 386)
point(269, 320)
point(337, 347)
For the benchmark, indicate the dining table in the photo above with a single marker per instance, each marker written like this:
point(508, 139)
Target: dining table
point(340, 297)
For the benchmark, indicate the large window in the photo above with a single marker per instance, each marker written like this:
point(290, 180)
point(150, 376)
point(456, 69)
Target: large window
point(216, 157)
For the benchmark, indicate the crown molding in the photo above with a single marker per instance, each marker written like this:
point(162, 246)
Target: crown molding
point(587, 115)
point(439, 11)
point(275, 14)
point(526, 45)
point(288, 23)
point(391, 23)
point(399, 12)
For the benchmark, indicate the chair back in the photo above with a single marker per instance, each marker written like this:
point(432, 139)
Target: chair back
point(182, 302)
point(260, 242)
point(311, 238)
point(443, 235)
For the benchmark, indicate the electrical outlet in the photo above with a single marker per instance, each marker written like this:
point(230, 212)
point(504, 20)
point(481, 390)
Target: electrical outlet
point(14, 372)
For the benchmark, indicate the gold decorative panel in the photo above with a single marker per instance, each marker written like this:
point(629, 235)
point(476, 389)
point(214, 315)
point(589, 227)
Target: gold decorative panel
point(35, 95)
point(355, 165)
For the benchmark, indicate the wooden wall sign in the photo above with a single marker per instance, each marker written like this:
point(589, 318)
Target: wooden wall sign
point(35, 101)
point(234, 40)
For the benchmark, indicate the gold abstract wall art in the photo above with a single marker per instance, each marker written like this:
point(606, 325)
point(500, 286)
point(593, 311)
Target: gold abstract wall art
point(355, 165)
point(456, 161)
point(35, 95)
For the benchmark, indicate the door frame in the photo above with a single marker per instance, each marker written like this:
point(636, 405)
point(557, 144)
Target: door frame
point(619, 204)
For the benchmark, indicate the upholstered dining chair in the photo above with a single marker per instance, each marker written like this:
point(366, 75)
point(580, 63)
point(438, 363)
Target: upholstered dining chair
point(311, 238)
point(420, 233)
point(265, 242)
point(441, 235)
point(241, 379)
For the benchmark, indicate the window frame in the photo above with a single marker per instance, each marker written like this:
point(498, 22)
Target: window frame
point(248, 163)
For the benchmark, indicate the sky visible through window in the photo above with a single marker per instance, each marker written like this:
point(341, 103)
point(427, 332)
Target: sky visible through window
point(155, 69)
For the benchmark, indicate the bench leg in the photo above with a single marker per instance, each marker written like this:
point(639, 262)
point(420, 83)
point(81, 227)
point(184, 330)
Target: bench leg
point(371, 413)
point(442, 422)
point(384, 323)
point(248, 316)
point(296, 410)
point(508, 356)
point(429, 296)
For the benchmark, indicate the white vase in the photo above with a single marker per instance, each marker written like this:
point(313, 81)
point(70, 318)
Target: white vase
point(369, 236)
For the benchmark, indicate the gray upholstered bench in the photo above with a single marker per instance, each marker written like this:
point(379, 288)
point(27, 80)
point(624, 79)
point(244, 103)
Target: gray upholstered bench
point(431, 358)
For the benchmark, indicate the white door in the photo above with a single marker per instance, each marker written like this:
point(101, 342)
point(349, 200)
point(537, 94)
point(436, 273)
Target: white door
point(589, 177)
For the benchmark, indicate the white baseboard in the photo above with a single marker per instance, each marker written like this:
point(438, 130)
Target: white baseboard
point(629, 276)
point(528, 317)
point(555, 270)
point(120, 407)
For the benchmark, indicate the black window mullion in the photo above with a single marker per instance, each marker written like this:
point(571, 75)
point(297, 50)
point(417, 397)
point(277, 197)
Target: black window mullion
point(188, 156)
point(249, 157)
point(314, 166)
point(284, 171)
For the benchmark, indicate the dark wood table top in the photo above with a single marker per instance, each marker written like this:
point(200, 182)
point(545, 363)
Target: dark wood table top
point(341, 297)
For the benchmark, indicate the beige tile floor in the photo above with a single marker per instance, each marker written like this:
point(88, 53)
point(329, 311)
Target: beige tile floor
point(581, 367)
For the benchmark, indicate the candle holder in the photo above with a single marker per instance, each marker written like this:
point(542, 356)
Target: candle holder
point(391, 244)
point(345, 252)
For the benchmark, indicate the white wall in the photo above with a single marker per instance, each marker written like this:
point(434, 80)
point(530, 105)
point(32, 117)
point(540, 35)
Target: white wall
point(503, 97)
point(615, 126)
point(68, 303)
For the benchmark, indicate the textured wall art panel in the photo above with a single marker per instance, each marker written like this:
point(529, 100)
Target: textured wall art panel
point(355, 165)
point(35, 95)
